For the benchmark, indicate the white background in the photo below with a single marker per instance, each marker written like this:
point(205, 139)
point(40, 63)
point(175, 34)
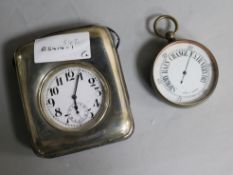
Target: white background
point(167, 140)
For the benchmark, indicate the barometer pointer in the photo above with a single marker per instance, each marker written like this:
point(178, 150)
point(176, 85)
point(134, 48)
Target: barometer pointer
point(185, 70)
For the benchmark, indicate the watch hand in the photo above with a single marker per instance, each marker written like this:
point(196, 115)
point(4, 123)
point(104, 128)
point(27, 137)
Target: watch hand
point(74, 96)
point(185, 70)
point(76, 106)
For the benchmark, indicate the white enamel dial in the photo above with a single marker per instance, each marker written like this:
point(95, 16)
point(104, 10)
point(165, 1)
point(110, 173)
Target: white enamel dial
point(185, 72)
point(72, 97)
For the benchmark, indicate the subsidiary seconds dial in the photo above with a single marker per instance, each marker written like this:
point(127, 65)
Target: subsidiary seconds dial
point(73, 97)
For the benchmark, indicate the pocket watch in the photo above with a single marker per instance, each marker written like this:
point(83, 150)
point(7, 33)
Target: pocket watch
point(73, 91)
point(184, 72)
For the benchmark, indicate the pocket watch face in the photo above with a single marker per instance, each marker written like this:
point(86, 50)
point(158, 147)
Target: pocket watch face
point(185, 72)
point(73, 97)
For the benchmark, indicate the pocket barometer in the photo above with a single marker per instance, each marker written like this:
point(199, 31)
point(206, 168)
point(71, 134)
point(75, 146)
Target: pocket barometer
point(73, 91)
point(184, 72)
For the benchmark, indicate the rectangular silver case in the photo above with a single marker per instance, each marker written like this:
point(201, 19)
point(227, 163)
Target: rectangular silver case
point(118, 123)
